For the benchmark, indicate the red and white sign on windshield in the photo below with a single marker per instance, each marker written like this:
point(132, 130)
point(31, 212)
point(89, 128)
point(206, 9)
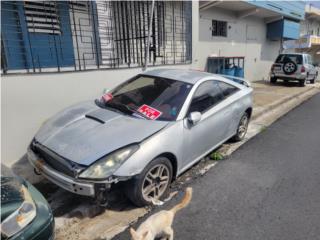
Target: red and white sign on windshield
point(106, 97)
point(149, 112)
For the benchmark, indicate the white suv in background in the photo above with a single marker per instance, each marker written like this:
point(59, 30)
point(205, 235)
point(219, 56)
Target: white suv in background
point(294, 67)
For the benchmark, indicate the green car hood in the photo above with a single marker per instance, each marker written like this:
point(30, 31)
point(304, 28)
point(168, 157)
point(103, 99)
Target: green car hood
point(11, 196)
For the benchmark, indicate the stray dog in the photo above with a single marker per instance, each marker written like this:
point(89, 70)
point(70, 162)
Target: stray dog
point(160, 224)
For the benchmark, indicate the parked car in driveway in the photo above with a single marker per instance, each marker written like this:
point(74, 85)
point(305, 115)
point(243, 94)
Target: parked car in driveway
point(294, 67)
point(144, 133)
point(25, 214)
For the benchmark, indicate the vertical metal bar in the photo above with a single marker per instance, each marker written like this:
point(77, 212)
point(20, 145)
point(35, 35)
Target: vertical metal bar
point(28, 36)
point(119, 32)
point(94, 13)
point(148, 40)
point(173, 34)
point(132, 30)
point(127, 35)
point(76, 36)
point(136, 32)
point(123, 16)
point(182, 34)
point(140, 34)
point(55, 42)
point(4, 65)
point(115, 31)
point(164, 32)
point(153, 38)
point(143, 31)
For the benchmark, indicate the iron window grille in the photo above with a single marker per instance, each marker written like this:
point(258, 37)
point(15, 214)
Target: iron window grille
point(219, 28)
point(85, 35)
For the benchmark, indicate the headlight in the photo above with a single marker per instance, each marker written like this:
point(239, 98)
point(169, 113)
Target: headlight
point(104, 167)
point(21, 217)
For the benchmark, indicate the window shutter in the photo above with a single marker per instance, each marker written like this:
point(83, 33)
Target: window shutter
point(42, 17)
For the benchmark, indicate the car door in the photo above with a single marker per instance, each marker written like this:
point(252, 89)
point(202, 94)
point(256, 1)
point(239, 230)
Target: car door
point(211, 130)
point(234, 106)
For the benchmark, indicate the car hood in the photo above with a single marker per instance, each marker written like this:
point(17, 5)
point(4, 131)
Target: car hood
point(11, 196)
point(85, 132)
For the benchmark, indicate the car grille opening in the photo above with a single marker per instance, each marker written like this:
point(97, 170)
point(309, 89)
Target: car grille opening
point(55, 161)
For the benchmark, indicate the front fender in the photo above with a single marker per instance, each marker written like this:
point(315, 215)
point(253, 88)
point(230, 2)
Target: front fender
point(167, 140)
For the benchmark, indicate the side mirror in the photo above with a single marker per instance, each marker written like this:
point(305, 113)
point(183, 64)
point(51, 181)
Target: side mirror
point(194, 118)
point(105, 90)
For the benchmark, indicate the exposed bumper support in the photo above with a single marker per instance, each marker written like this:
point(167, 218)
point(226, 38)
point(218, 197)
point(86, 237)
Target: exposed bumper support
point(69, 184)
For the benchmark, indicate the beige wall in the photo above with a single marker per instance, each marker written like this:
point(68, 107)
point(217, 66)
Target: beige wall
point(28, 100)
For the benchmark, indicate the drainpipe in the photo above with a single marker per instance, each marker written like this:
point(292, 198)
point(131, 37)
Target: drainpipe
point(148, 40)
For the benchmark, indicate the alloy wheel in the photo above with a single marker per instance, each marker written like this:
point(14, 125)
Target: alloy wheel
point(243, 126)
point(155, 182)
point(289, 67)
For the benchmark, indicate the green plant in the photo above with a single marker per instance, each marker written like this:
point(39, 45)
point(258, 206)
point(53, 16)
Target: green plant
point(216, 156)
point(263, 128)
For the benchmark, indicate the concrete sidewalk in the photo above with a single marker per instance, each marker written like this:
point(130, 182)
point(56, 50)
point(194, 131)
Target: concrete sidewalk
point(268, 96)
point(74, 216)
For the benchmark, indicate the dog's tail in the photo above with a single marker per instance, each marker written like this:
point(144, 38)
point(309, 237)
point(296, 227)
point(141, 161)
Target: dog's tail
point(185, 201)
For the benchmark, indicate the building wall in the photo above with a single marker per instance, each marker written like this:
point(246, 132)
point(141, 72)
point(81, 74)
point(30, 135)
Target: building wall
point(310, 27)
point(28, 100)
point(246, 37)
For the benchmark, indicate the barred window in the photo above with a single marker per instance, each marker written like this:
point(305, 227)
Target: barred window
point(219, 28)
point(83, 35)
point(42, 17)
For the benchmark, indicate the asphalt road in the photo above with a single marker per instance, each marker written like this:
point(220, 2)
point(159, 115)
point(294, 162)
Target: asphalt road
point(268, 189)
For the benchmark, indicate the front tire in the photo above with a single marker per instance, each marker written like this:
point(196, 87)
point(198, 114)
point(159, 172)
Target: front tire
point(242, 128)
point(273, 80)
point(153, 182)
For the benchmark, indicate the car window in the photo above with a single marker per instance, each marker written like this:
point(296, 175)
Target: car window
point(282, 58)
point(150, 97)
point(309, 59)
point(207, 95)
point(143, 82)
point(227, 89)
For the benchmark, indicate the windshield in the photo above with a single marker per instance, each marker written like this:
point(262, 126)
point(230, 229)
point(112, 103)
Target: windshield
point(149, 97)
point(289, 57)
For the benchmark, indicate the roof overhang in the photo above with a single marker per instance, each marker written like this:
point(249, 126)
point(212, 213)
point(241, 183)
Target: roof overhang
point(242, 9)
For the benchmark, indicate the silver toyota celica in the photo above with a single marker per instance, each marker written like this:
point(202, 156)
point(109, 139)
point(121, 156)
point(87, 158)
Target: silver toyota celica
point(142, 134)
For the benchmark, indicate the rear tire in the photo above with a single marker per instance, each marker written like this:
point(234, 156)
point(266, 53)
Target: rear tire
point(242, 128)
point(138, 187)
point(302, 83)
point(313, 80)
point(273, 80)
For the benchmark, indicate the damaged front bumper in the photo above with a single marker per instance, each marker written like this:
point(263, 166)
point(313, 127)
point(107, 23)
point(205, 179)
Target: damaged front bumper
point(88, 188)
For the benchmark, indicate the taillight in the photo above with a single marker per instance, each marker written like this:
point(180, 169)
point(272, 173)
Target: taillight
point(303, 69)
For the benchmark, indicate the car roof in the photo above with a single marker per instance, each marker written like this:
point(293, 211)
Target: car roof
point(183, 75)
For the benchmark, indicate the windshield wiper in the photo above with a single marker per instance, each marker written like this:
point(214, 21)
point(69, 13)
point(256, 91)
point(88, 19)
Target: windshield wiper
point(120, 107)
point(111, 107)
